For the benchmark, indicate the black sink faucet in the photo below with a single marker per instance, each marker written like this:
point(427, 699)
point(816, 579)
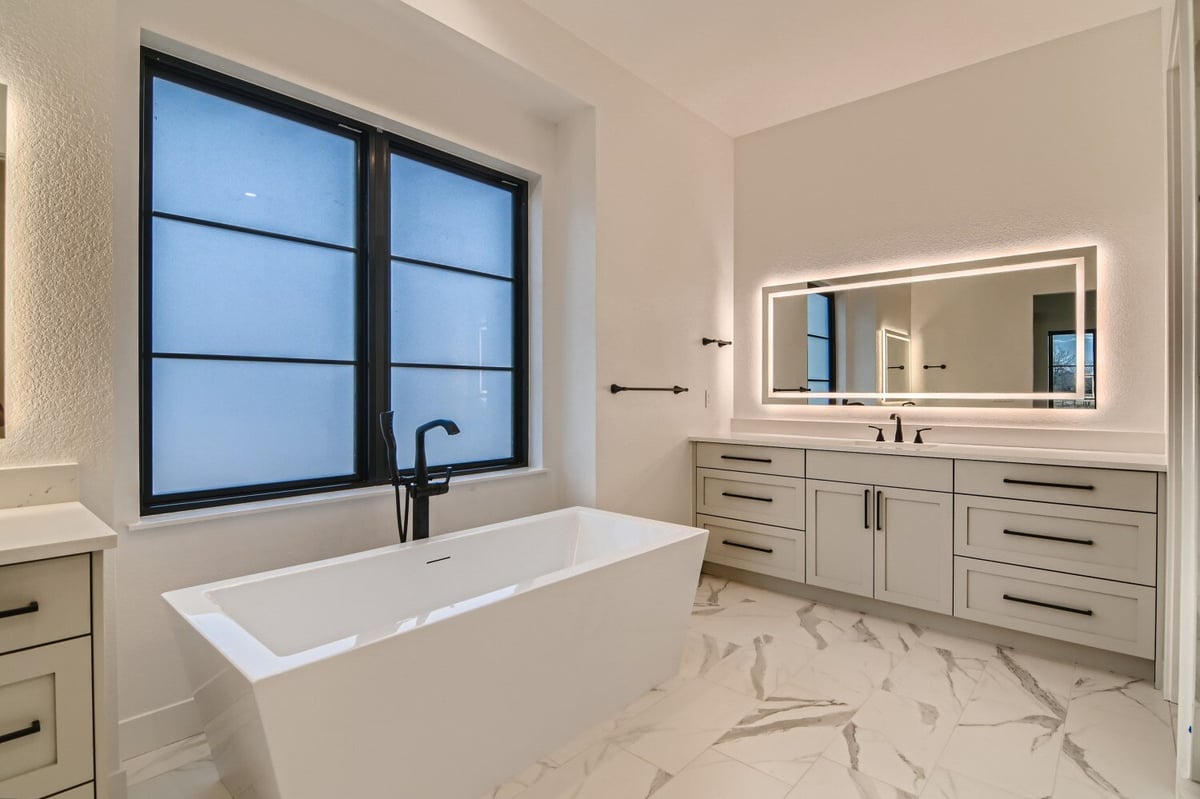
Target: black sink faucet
point(421, 489)
point(899, 439)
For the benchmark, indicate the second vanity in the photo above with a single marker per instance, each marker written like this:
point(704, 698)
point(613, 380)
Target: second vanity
point(1062, 545)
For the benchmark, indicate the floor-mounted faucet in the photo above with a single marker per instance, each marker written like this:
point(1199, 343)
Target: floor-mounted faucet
point(417, 489)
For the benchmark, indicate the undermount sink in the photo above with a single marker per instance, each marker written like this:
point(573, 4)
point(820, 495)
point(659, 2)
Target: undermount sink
point(906, 445)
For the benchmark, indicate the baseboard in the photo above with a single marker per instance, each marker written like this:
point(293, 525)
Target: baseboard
point(138, 735)
point(1035, 644)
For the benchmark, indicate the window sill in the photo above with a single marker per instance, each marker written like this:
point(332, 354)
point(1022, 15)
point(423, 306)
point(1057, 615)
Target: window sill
point(291, 503)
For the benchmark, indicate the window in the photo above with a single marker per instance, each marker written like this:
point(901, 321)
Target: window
point(1063, 372)
point(302, 272)
point(820, 345)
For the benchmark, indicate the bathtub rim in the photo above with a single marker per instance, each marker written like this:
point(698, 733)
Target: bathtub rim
point(257, 662)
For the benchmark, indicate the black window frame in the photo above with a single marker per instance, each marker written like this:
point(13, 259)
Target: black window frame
point(831, 346)
point(373, 296)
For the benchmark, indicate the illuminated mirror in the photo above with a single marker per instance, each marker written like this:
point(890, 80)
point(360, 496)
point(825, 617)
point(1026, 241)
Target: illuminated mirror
point(3, 239)
point(1017, 332)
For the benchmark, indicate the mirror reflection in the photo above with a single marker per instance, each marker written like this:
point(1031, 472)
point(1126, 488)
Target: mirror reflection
point(3, 243)
point(1011, 331)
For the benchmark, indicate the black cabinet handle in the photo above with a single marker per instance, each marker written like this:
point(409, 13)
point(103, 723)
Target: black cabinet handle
point(32, 607)
point(1050, 605)
point(746, 496)
point(867, 509)
point(1087, 542)
point(1040, 484)
point(768, 550)
point(878, 513)
point(33, 729)
point(741, 458)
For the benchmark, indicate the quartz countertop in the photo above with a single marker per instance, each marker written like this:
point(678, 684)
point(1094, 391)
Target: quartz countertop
point(1138, 461)
point(51, 531)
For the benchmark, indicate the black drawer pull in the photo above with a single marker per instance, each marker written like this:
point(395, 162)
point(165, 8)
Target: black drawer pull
point(866, 509)
point(740, 458)
point(1050, 605)
point(878, 510)
point(746, 496)
point(33, 729)
point(1040, 484)
point(32, 607)
point(768, 550)
point(1087, 542)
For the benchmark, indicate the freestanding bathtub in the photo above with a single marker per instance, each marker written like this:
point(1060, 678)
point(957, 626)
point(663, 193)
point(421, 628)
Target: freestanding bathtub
point(438, 668)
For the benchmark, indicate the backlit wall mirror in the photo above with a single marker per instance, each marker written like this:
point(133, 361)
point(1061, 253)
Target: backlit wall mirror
point(1002, 332)
point(3, 242)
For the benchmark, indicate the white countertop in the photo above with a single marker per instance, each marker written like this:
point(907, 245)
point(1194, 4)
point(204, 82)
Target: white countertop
point(1138, 461)
point(51, 531)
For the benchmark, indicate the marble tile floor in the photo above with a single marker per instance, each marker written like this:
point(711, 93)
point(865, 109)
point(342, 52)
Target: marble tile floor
point(782, 698)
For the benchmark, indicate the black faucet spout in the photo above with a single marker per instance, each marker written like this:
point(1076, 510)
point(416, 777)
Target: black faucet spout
point(421, 489)
point(899, 439)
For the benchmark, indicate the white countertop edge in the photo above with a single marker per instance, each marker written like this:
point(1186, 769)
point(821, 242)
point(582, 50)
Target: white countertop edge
point(39, 532)
point(1137, 461)
point(147, 523)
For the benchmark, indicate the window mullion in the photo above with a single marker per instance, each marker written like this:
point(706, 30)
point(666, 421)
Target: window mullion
point(377, 302)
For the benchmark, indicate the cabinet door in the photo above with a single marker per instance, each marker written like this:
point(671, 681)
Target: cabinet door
point(840, 536)
point(914, 548)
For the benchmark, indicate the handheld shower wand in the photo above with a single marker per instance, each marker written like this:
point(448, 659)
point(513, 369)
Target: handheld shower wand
point(389, 445)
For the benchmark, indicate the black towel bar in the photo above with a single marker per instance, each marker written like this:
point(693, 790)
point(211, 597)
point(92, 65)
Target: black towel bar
point(616, 389)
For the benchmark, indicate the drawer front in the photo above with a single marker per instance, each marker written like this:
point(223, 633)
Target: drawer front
point(1112, 544)
point(82, 792)
point(896, 471)
point(1084, 610)
point(765, 499)
point(46, 704)
point(1070, 485)
point(59, 589)
point(745, 458)
point(755, 547)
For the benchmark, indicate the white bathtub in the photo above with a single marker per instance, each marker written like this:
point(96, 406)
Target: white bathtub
point(438, 668)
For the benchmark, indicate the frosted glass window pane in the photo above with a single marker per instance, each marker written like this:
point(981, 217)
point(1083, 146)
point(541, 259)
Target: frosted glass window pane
point(445, 317)
point(480, 402)
point(226, 293)
point(446, 218)
point(232, 423)
point(818, 359)
point(223, 161)
point(818, 315)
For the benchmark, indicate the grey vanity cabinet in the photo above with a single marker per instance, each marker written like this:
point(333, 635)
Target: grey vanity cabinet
point(894, 544)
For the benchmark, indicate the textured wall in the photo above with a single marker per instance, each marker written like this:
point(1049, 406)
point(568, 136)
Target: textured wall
point(1055, 146)
point(56, 59)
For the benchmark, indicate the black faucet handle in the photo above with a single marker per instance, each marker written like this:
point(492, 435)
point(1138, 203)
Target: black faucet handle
point(920, 430)
point(878, 430)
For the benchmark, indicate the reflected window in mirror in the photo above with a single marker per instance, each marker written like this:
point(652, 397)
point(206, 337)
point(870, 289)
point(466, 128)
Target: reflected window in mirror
point(821, 361)
point(1063, 352)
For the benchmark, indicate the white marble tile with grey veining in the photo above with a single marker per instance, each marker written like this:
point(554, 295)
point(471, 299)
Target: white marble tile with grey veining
point(715, 776)
point(894, 739)
point(1124, 754)
point(945, 784)
point(829, 780)
point(603, 771)
point(937, 676)
point(1107, 692)
point(759, 669)
point(1011, 732)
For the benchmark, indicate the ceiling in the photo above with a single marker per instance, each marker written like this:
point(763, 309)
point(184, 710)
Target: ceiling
point(749, 64)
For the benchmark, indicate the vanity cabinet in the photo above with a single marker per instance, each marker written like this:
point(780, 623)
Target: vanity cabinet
point(1066, 552)
point(878, 540)
point(55, 735)
point(751, 500)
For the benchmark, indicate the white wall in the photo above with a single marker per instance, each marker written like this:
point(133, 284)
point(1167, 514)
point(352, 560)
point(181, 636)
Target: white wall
point(1060, 145)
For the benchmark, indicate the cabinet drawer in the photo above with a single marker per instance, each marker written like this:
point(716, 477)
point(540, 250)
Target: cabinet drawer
point(1070, 485)
point(82, 792)
point(755, 547)
point(1084, 610)
point(46, 700)
point(60, 589)
point(897, 471)
point(1113, 544)
point(765, 499)
point(744, 458)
